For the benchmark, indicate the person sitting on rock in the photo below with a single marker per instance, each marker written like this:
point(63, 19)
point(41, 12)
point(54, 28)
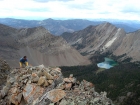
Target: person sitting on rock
point(23, 62)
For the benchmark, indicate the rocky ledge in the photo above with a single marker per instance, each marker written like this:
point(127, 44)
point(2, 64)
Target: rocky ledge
point(4, 71)
point(46, 86)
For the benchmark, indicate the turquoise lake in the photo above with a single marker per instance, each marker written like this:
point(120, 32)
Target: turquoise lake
point(107, 64)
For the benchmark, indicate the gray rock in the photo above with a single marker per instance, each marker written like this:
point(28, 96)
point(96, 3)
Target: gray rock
point(63, 102)
point(46, 86)
point(82, 103)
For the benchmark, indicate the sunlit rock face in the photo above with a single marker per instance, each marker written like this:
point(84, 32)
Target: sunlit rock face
point(42, 85)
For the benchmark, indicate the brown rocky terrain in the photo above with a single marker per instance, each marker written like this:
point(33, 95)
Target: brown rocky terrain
point(39, 46)
point(103, 38)
point(4, 71)
point(42, 85)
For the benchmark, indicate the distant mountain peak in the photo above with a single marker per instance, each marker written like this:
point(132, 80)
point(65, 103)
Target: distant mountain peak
point(57, 27)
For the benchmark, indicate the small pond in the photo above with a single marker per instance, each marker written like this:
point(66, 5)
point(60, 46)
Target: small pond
point(107, 64)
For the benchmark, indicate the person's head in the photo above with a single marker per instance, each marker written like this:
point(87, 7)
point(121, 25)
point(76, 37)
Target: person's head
point(24, 57)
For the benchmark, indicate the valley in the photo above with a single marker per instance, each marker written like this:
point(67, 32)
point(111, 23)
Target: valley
point(121, 82)
point(79, 52)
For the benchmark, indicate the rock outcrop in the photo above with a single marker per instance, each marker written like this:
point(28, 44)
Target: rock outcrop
point(4, 71)
point(42, 85)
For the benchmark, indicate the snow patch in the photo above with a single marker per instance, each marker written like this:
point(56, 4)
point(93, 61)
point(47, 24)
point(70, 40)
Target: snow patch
point(79, 40)
point(110, 42)
point(113, 39)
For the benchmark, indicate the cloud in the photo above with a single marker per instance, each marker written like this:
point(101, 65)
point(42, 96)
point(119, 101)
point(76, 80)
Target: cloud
point(87, 9)
point(51, 0)
point(80, 5)
point(131, 9)
point(41, 0)
point(36, 9)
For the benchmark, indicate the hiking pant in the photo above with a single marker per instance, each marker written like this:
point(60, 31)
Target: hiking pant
point(23, 64)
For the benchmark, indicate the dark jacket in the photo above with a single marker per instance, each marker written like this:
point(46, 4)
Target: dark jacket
point(22, 60)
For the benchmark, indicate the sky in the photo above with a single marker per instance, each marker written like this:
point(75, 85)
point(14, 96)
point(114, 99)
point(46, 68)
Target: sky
point(70, 9)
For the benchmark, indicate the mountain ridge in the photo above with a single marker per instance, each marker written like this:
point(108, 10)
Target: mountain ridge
point(105, 38)
point(57, 27)
point(39, 46)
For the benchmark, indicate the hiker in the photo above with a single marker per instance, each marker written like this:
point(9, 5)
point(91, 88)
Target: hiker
point(23, 62)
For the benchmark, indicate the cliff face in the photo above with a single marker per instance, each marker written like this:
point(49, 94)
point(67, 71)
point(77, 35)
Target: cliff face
point(47, 86)
point(39, 46)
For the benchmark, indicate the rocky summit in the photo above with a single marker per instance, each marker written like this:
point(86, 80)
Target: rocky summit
point(40, 85)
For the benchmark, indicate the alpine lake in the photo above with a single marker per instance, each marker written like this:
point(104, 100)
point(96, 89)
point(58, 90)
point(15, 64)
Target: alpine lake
point(107, 64)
